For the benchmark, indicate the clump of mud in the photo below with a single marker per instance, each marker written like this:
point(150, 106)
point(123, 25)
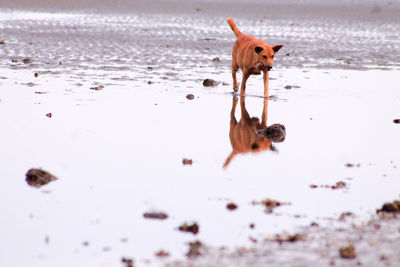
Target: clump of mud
point(338, 185)
point(187, 161)
point(189, 228)
point(390, 207)
point(155, 215)
point(231, 206)
point(195, 249)
point(97, 88)
point(347, 252)
point(38, 177)
point(210, 83)
point(275, 133)
point(127, 262)
point(286, 238)
point(270, 204)
point(162, 253)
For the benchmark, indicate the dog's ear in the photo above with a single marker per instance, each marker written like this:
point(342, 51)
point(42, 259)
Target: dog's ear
point(276, 48)
point(258, 49)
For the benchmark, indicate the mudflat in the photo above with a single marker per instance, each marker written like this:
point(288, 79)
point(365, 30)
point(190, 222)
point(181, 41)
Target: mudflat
point(109, 98)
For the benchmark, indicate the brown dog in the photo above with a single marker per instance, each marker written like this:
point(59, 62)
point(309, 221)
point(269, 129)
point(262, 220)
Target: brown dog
point(253, 56)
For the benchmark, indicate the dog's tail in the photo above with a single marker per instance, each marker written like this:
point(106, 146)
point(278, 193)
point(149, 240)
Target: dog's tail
point(233, 27)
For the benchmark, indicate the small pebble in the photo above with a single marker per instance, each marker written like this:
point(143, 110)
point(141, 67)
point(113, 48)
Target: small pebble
point(210, 82)
point(347, 252)
point(231, 206)
point(187, 161)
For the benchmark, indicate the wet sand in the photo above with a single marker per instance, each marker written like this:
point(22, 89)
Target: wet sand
point(97, 94)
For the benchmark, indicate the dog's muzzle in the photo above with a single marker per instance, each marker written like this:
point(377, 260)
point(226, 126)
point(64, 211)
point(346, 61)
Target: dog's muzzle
point(268, 67)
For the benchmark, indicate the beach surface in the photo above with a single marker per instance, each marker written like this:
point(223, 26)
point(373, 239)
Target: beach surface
point(108, 97)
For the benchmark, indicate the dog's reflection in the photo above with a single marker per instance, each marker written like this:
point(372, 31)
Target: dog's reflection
point(251, 135)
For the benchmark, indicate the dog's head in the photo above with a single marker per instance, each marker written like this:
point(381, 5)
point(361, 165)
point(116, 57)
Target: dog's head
point(265, 55)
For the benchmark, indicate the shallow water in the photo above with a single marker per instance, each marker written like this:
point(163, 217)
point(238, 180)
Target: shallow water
point(118, 152)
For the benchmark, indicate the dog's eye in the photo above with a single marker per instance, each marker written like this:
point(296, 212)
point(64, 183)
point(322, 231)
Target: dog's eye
point(264, 56)
point(272, 56)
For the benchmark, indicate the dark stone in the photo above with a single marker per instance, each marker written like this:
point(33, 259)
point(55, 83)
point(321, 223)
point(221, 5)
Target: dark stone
point(38, 177)
point(210, 82)
point(275, 133)
point(193, 228)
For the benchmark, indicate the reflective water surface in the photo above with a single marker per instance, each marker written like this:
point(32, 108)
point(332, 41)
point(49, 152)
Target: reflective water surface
point(112, 122)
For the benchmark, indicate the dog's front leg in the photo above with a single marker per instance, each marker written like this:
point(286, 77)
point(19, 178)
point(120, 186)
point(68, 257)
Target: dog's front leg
point(246, 75)
point(266, 80)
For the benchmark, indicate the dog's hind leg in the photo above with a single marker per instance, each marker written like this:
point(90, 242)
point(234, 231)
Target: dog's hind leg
point(235, 83)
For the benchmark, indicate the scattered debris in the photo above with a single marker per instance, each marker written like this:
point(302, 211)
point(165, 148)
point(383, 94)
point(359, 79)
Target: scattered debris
point(193, 228)
point(275, 133)
point(149, 68)
point(253, 240)
point(314, 224)
point(344, 215)
point(351, 165)
point(231, 206)
point(287, 238)
point(390, 207)
point(210, 82)
point(40, 92)
point(85, 243)
point(27, 60)
point(127, 262)
point(187, 161)
point(38, 177)
point(155, 215)
point(396, 121)
point(194, 249)
point(216, 59)
point(106, 249)
point(49, 115)
point(36, 74)
point(2, 42)
point(30, 84)
point(149, 82)
point(270, 204)
point(190, 96)
point(162, 253)
point(288, 87)
point(97, 88)
point(338, 185)
point(347, 252)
